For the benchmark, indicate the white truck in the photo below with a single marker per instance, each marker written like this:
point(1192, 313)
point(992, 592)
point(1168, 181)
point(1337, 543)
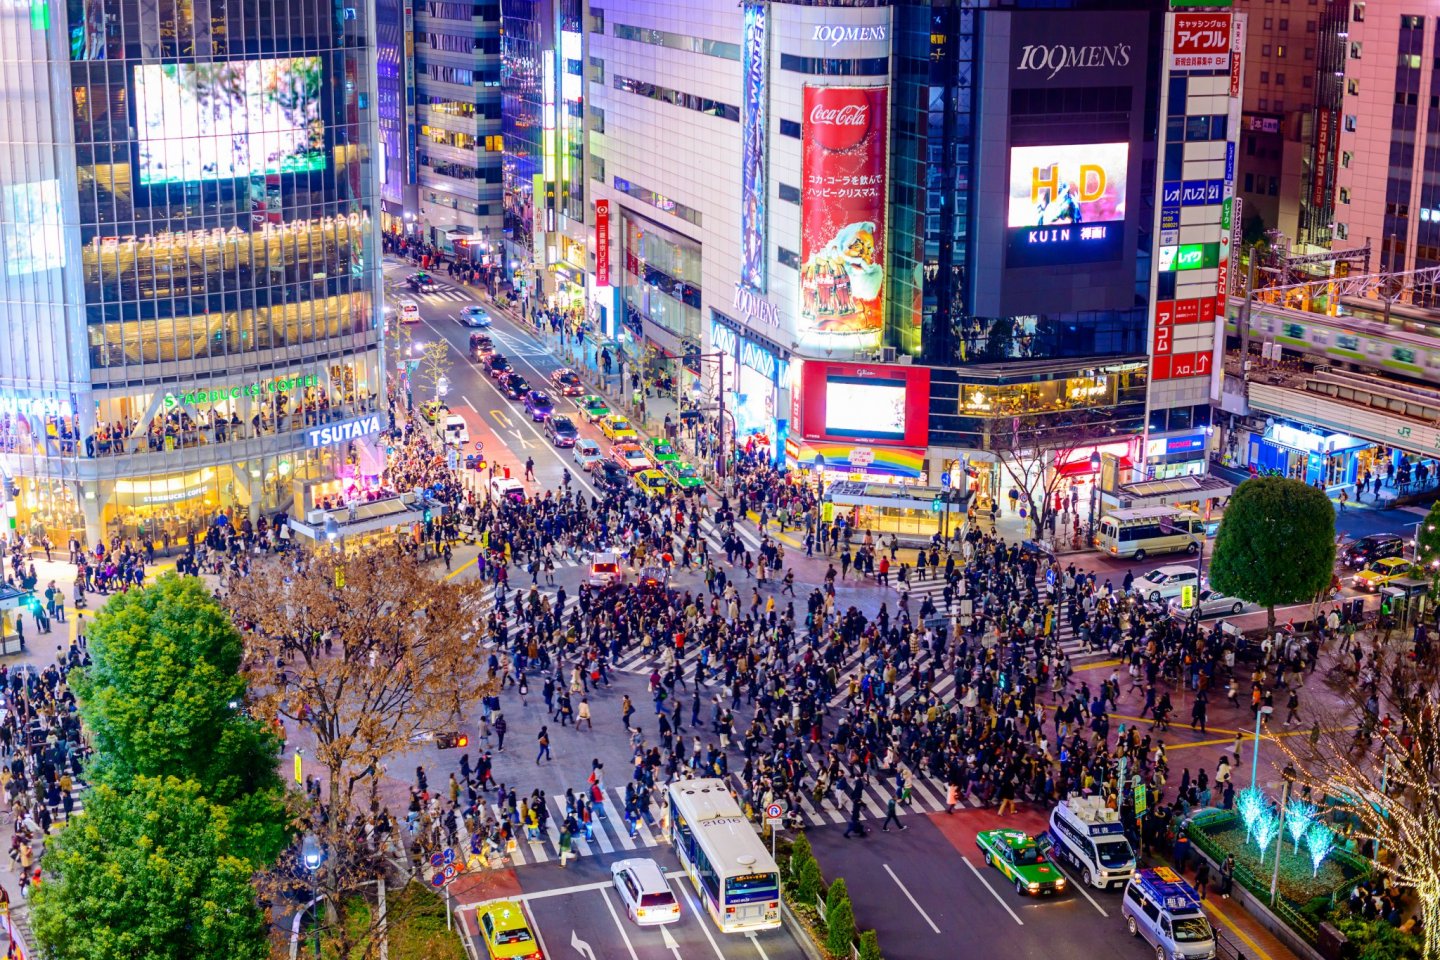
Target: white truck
point(1088, 836)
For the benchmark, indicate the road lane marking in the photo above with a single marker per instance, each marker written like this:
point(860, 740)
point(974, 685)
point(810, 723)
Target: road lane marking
point(700, 918)
point(669, 940)
point(614, 915)
point(993, 892)
point(1077, 885)
point(583, 948)
point(462, 568)
point(913, 902)
point(524, 444)
point(756, 941)
point(468, 403)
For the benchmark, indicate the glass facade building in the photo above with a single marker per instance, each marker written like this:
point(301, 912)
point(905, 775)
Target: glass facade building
point(191, 286)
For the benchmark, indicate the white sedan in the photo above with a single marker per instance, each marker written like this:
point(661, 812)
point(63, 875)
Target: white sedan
point(475, 316)
point(644, 891)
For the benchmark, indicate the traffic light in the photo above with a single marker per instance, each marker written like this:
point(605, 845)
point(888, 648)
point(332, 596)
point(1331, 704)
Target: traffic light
point(448, 741)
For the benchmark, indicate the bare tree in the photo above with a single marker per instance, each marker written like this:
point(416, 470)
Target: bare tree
point(1377, 762)
point(370, 654)
point(1030, 450)
point(434, 364)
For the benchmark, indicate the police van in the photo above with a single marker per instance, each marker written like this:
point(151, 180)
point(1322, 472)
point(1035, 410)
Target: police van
point(1165, 910)
point(1088, 836)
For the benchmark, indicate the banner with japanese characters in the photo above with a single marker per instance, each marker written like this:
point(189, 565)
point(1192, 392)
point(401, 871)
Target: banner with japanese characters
point(842, 231)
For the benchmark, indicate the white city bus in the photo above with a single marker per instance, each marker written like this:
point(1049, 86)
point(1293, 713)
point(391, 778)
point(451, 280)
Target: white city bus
point(724, 856)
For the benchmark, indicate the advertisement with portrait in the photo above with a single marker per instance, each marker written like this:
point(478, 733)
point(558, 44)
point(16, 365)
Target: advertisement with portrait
point(754, 117)
point(842, 231)
point(866, 403)
point(1058, 190)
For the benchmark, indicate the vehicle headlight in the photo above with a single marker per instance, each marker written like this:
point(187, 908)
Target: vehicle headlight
point(1060, 884)
point(1034, 886)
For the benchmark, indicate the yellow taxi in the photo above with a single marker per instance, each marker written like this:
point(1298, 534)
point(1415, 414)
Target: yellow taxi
point(617, 428)
point(653, 483)
point(507, 933)
point(1377, 573)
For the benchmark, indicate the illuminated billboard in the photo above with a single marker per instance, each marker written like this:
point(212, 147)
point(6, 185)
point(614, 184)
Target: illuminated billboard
point(239, 118)
point(842, 217)
point(1067, 203)
point(859, 402)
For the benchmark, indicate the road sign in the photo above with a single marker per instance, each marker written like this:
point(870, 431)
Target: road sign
point(945, 480)
point(774, 811)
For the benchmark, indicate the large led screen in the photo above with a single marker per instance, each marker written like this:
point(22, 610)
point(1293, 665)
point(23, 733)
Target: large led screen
point(1067, 203)
point(240, 118)
point(859, 407)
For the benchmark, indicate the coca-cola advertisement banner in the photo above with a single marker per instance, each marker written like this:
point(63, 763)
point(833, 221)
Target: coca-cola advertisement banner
point(842, 220)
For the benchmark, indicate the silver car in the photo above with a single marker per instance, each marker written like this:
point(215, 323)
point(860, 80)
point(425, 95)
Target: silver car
point(1211, 603)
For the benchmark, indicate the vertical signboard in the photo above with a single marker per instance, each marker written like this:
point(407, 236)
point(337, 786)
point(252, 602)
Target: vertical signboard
point(755, 118)
point(602, 243)
point(1202, 42)
point(1326, 136)
point(842, 216)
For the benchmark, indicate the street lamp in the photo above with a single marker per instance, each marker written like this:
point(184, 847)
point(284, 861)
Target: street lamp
point(313, 855)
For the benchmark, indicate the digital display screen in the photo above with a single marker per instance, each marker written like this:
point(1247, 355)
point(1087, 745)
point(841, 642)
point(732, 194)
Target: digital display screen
point(240, 118)
point(863, 407)
point(1067, 203)
point(34, 240)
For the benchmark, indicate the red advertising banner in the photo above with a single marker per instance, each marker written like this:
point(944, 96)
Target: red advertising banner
point(1180, 366)
point(602, 243)
point(842, 232)
point(1202, 42)
point(1164, 328)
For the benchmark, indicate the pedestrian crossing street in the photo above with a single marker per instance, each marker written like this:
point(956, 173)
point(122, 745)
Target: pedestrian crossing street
point(934, 588)
point(610, 834)
point(447, 294)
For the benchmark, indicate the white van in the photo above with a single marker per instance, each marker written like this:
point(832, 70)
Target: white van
point(1165, 910)
point(456, 431)
point(409, 311)
point(1089, 837)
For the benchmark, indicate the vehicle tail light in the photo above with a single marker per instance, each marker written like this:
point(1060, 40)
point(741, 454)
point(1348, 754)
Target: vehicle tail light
point(674, 908)
point(729, 909)
point(773, 905)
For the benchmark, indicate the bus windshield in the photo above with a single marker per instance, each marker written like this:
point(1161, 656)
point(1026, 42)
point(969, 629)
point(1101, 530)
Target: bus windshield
point(752, 886)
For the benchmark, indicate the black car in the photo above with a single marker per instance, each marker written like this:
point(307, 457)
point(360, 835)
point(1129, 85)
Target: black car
point(1377, 546)
point(514, 386)
point(561, 430)
point(497, 366)
point(612, 474)
point(481, 347)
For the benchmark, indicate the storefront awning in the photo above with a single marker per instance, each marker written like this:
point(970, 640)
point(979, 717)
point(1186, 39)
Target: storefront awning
point(1082, 468)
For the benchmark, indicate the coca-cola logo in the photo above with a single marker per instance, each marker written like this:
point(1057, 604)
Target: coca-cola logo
point(839, 117)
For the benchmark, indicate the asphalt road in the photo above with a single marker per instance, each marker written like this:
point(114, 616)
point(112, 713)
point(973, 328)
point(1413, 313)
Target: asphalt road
point(928, 895)
point(577, 913)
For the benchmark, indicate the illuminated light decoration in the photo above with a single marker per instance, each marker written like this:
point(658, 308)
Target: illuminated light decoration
point(1319, 841)
point(1267, 828)
point(1298, 816)
point(1251, 803)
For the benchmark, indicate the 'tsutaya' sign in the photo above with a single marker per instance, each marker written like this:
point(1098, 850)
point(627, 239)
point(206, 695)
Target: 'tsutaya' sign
point(259, 388)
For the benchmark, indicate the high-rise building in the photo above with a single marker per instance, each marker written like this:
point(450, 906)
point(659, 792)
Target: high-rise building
point(1282, 50)
point(891, 238)
point(1375, 159)
point(459, 143)
point(189, 296)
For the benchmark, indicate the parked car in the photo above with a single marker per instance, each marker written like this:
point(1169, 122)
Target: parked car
point(561, 431)
point(587, 454)
point(475, 315)
point(567, 382)
point(1376, 546)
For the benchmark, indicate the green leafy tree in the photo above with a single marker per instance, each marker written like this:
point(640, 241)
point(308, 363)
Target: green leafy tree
point(1427, 545)
point(839, 919)
point(147, 872)
point(163, 696)
point(869, 946)
point(1276, 543)
point(807, 882)
point(799, 852)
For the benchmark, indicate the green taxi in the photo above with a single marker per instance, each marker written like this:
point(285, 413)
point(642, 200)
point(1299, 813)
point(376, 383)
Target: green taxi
point(661, 450)
point(1016, 855)
point(593, 406)
point(687, 478)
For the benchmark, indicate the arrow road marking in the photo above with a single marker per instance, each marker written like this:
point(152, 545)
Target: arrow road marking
point(670, 943)
point(918, 909)
point(581, 945)
point(500, 418)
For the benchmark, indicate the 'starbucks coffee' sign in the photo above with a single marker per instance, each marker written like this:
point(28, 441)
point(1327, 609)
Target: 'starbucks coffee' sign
point(259, 388)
